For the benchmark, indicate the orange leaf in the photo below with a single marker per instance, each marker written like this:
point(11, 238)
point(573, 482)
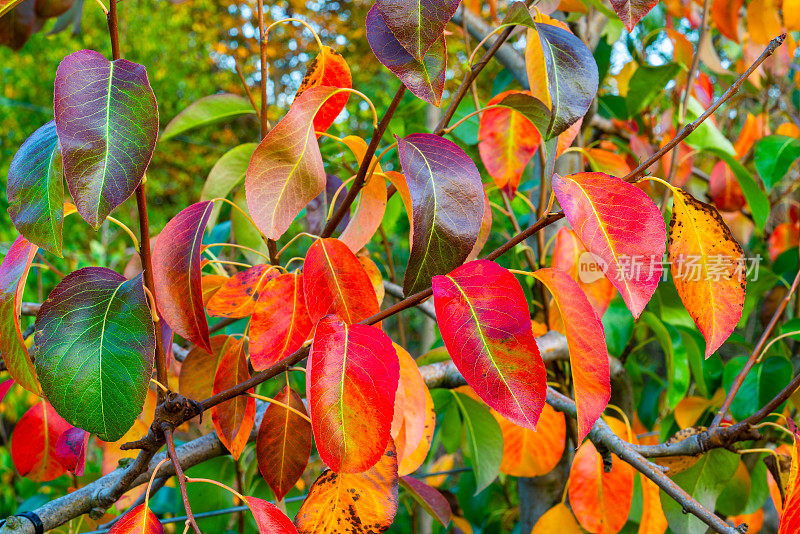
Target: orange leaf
point(358, 503)
point(763, 21)
point(408, 423)
point(653, 520)
point(785, 236)
point(528, 453)
point(725, 14)
point(707, 267)
point(410, 460)
point(374, 275)
point(280, 323)
point(752, 131)
point(508, 141)
point(237, 297)
point(587, 348)
point(368, 212)
point(211, 284)
point(789, 129)
point(284, 443)
point(234, 418)
point(557, 519)
point(328, 69)
point(790, 515)
point(601, 501)
point(607, 162)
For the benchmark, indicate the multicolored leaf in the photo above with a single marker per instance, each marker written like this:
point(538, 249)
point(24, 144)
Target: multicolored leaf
point(206, 111)
point(631, 11)
point(588, 355)
point(508, 141)
point(177, 273)
point(234, 418)
point(140, 520)
point(790, 514)
point(529, 453)
point(269, 518)
point(328, 69)
point(371, 206)
point(447, 202)
point(417, 25)
point(5, 387)
point(95, 334)
point(13, 273)
point(238, 296)
point(424, 77)
point(286, 171)
point(361, 502)
point(71, 450)
point(34, 440)
point(621, 227)
point(335, 282)
point(601, 500)
point(429, 499)
point(36, 192)
point(353, 373)
point(485, 324)
point(707, 266)
point(107, 123)
point(284, 443)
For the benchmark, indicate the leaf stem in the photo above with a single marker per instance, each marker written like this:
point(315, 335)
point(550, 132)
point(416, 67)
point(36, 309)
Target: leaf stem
point(279, 403)
point(304, 23)
point(236, 245)
point(295, 238)
point(125, 229)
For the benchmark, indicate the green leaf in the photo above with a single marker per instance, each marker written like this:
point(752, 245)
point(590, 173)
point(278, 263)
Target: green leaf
point(95, 343)
point(208, 110)
point(677, 359)
point(773, 155)
point(244, 232)
point(35, 192)
point(704, 481)
point(736, 493)
point(484, 437)
point(756, 198)
point(765, 380)
point(225, 175)
point(646, 83)
point(706, 135)
point(618, 326)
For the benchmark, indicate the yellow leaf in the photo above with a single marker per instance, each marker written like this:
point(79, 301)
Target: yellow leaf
point(557, 519)
point(763, 22)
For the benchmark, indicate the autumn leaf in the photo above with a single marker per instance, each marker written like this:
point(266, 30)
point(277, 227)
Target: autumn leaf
point(234, 418)
point(557, 519)
point(237, 297)
point(631, 11)
point(328, 69)
point(34, 443)
point(140, 520)
point(529, 453)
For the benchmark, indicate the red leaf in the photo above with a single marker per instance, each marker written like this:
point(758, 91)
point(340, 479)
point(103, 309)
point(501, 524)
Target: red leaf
point(13, 273)
point(725, 14)
point(621, 226)
point(176, 272)
point(234, 418)
point(237, 297)
point(328, 69)
point(71, 450)
point(5, 386)
point(269, 518)
point(334, 281)
point(283, 445)
point(507, 143)
point(280, 323)
point(570, 256)
point(484, 320)
point(140, 520)
point(429, 498)
point(724, 189)
point(354, 503)
point(33, 443)
point(588, 355)
point(286, 171)
point(353, 373)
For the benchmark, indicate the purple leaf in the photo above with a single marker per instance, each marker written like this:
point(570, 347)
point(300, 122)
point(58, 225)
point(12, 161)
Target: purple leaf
point(107, 124)
point(423, 78)
point(71, 450)
point(417, 25)
point(447, 204)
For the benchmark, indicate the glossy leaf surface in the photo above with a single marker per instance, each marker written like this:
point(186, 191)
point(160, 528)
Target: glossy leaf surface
point(335, 282)
point(36, 192)
point(34, 440)
point(360, 503)
point(484, 320)
point(286, 172)
point(424, 77)
point(587, 348)
point(234, 418)
point(237, 297)
point(177, 273)
point(269, 518)
point(417, 25)
point(447, 202)
point(13, 273)
point(206, 111)
point(95, 334)
point(620, 225)
point(199, 368)
point(140, 520)
point(328, 69)
point(107, 124)
point(284, 443)
point(707, 266)
point(508, 141)
point(352, 379)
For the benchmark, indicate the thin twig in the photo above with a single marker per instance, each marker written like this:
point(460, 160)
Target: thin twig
point(176, 462)
point(247, 90)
